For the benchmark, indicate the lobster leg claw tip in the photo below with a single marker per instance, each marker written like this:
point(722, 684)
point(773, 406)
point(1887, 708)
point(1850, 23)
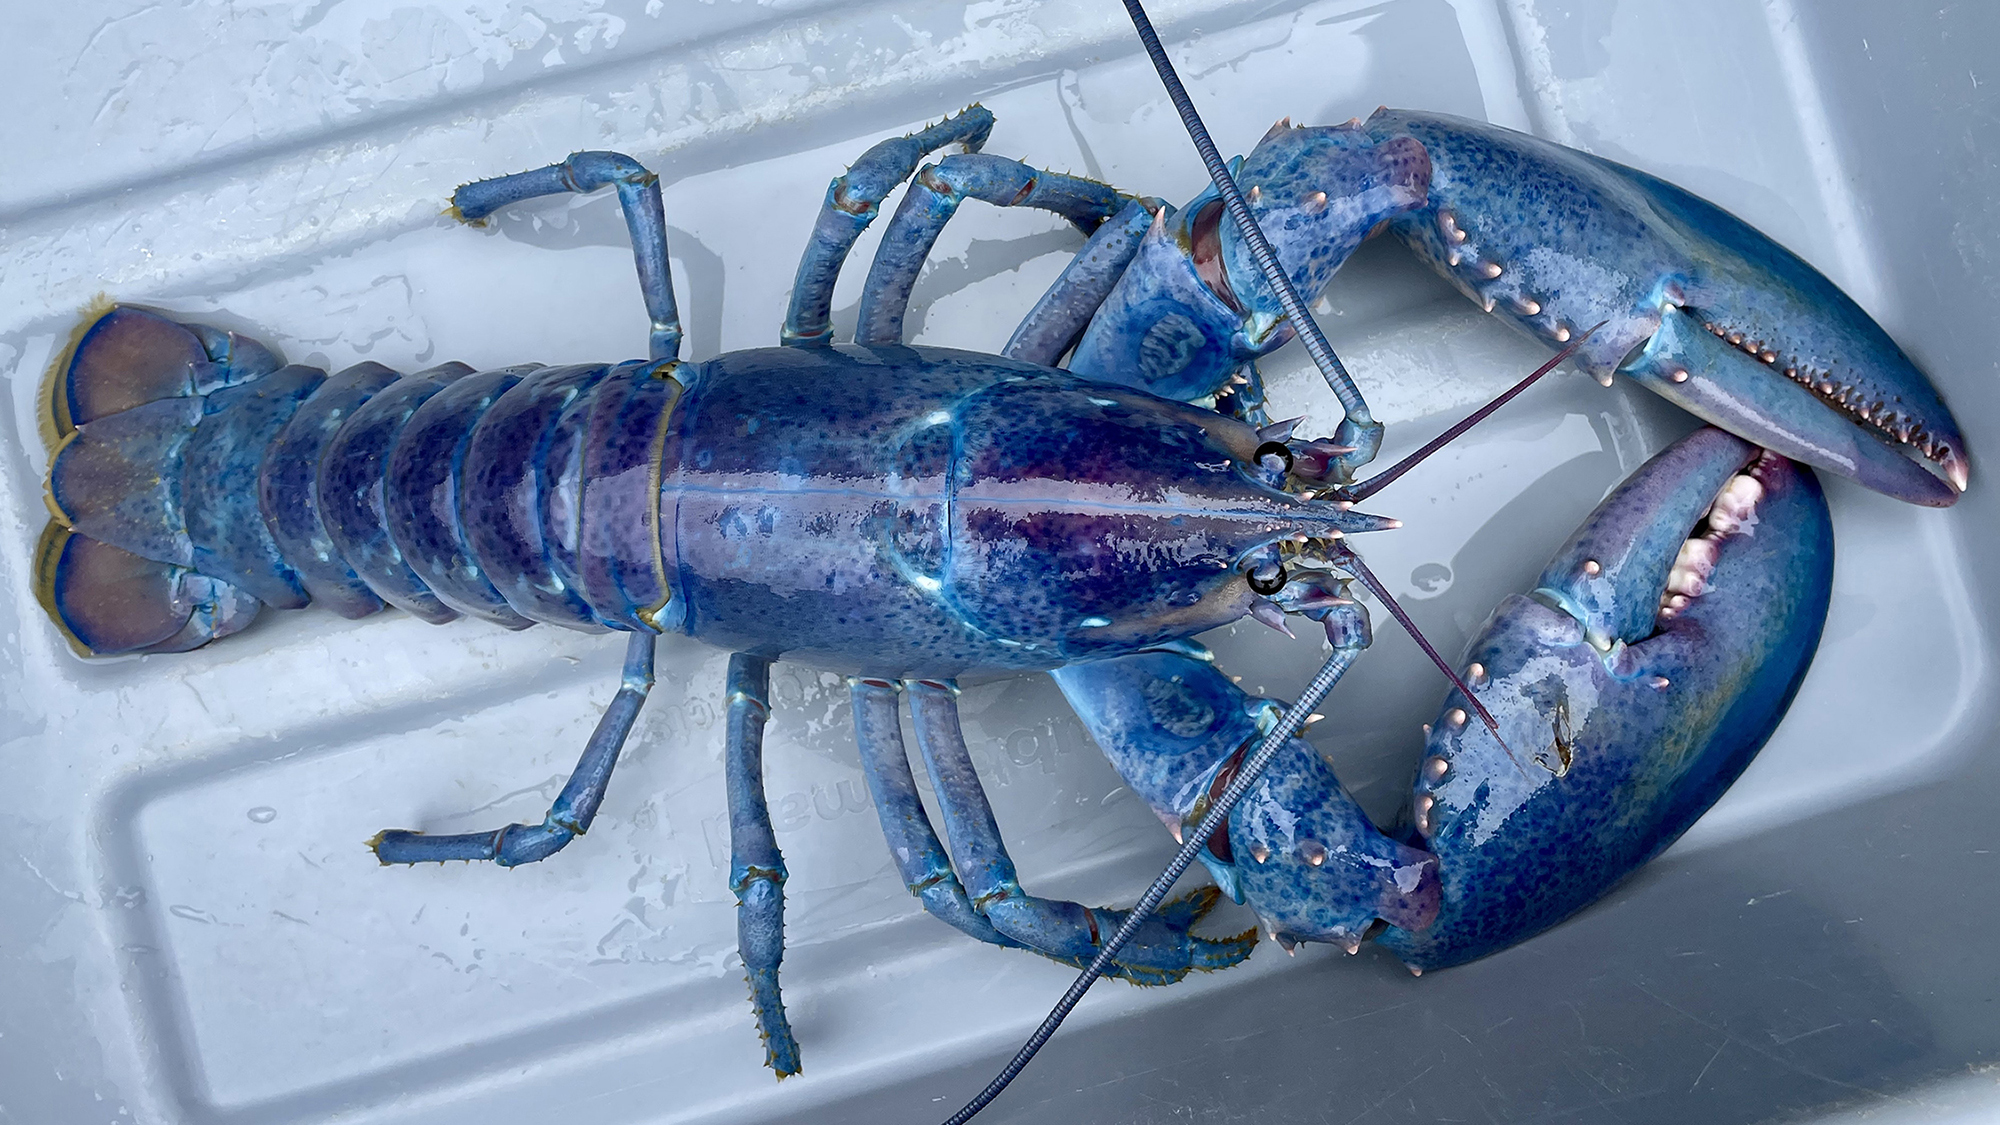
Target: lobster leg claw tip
point(1211, 954)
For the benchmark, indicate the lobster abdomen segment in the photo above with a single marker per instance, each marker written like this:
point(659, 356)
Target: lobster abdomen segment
point(240, 484)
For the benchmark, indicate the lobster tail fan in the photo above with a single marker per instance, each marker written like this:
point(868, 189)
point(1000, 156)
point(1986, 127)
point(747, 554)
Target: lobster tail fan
point(118, 480)
point(146, 481)
point(110, 601)
point(131, 356)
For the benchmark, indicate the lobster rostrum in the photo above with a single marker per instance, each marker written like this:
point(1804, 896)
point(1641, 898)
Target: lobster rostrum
point(1085, 504)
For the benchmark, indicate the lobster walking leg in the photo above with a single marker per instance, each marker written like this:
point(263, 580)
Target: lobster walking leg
point(934, 197)
point(638, 194)
point(852, 202)
point(925, 866)
point(756, 868)
point(1061, 315)
point(575, 807)
point(1070, 932)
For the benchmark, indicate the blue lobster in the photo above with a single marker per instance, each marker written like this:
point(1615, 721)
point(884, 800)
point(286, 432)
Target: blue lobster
point(1084, 503)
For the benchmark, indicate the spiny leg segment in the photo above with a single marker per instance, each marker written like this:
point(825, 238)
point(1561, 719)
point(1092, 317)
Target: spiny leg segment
point(933, 198)
point(756, 867)
point(1161, 952)
point(638, 194)
point(1054, 324)
point(575, 807)
point(852, 202)
point(925, 866)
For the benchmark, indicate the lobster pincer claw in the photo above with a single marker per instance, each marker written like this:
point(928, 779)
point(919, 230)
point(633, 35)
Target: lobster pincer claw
point(1693, 302)
point(1658, 652)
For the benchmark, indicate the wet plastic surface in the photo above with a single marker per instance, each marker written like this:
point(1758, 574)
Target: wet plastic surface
point(192, 931)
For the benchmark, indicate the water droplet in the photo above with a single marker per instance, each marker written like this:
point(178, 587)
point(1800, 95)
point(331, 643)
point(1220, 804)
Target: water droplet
point(263, 814)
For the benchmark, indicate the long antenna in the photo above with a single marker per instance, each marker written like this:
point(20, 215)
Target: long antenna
point(1374, 484)
point(1352, 562)
point(1253, 767)
point(1366, 432)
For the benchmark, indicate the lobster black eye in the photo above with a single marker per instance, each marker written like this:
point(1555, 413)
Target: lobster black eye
point(1276, 449)
point(1267, 580)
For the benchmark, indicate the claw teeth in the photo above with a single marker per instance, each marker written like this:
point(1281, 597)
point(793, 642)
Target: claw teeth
point(1692, 567)
point(1491, 269)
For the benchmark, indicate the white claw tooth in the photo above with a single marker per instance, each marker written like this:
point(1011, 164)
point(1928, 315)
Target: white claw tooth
point(1492, 269)
point(1684, 581)
point(1455, 717)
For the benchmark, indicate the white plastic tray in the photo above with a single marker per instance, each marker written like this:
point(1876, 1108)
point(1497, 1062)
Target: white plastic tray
point(192, 931)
